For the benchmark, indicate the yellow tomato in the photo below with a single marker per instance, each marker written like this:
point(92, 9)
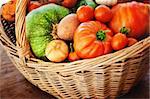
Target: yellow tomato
point(57, 51)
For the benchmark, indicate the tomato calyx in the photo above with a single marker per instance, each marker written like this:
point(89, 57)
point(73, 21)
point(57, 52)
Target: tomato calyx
point(124, 30)
point(101, 35)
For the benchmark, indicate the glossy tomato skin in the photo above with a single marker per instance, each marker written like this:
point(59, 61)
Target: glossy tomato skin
point(131, 41)
point(103, 13)
point(86, 43)
point(133, 16)
point(73, 57)
point(107, 44)
point(119, 41)
point(69, 3)
point(33, 5)
point(85, 13)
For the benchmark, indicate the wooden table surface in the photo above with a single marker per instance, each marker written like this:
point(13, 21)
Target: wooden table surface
point(14, 86)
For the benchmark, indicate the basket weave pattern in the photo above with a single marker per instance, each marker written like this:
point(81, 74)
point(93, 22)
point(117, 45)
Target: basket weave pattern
point(102, 77)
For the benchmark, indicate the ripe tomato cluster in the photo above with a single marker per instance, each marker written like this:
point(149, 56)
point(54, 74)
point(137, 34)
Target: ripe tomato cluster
point(101, 13)
point(93, 38)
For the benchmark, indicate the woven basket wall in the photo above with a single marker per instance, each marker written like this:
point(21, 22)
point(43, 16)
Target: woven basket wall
point(103, 77)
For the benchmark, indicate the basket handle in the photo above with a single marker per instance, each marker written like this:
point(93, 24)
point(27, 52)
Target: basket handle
point(21, 41)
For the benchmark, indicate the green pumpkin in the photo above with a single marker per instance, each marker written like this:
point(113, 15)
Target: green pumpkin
point(39, 26)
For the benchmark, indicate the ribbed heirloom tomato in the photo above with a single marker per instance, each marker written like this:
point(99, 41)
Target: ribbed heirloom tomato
point(133, 16)
point(92, 39)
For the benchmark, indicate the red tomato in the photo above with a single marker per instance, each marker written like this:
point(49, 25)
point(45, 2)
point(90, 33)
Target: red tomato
point(119, 41)
point(107, 44)
point(73, 57)
point(107, 30)
point(69, 3)
point(103, 13)
point(33, 5)
point(131, 41)
point(133, 16)
point(85, 13)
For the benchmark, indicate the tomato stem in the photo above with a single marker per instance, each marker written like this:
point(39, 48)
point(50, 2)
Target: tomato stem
point(71, 47)
point(101, 35)
point(124, 30)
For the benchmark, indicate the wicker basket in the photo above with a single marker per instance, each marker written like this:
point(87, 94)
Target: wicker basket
point(103, 77)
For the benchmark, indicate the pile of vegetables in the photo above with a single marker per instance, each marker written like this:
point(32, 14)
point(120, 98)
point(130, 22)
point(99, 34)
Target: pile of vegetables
point(91, 32)
point(81, 29)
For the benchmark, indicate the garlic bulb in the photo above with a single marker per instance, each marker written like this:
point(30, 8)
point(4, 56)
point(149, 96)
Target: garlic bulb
point(106, 2)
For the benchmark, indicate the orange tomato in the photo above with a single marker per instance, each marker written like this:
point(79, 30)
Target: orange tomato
point(91, 39)
point(119, 41)
point(73, 57)
point(85, 13)
point(103, 13)
point(131, 41)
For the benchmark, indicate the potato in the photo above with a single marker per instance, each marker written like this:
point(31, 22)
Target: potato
point(67, 27)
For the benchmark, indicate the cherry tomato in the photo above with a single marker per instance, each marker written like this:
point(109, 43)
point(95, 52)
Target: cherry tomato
point(73, 57)
point(119, 41)
point(85, 13)
point(103, 13)
point(33, 5)
point(69, 3)
point(131, 41)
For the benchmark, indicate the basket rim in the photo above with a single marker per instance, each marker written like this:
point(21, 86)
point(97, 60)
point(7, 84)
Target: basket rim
point(106, 55)
point(128, 52)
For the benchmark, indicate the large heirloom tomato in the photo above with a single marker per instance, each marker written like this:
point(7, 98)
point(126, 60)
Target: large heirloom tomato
point(133, 16)
point(92, 39)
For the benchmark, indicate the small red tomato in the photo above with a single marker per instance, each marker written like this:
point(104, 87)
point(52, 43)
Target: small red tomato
point(85, 13)
point(69, 3)
point(52, 1)
point(131, 41)
point(33, 5)
point(103, 13)
point(119, 41)
point(73, 57)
